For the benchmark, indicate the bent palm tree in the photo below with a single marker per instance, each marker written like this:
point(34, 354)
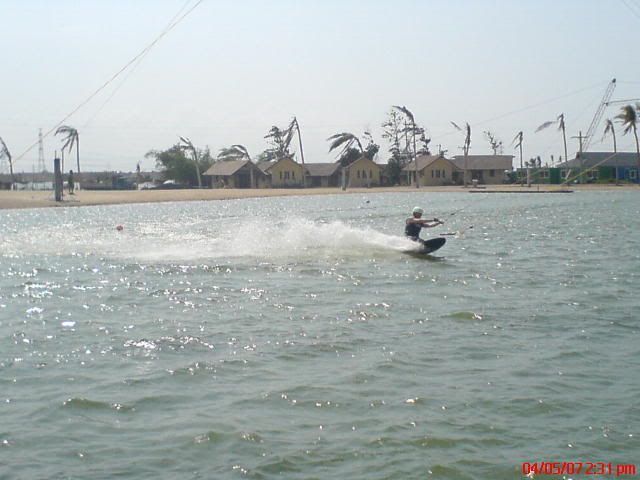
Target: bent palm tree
point(4, 152)
point(561, 126)
point(346, 140)
point(629, 119)
point(187, 145)
point(234, 152)
point(72, 139)
point(609, 129)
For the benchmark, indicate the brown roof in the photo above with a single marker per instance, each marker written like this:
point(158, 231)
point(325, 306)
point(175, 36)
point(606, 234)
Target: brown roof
point(226, 168)
point(321, 169)
point(485, 162)
point(423, 162)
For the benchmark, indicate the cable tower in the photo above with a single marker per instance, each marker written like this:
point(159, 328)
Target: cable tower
point(598, 116)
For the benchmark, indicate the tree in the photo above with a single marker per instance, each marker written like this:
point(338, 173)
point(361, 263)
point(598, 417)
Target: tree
point(561, 126)
point(188, 146)
point(609, 128)
point(392, 131)
point(177, 166)
point(4, 153)
point(351, 147)
point(465, 147)
point(411, 130)
point(424, 143)
point(517, 143)
point(267, 155)
point(494, 142)
point(234, 152)
point(280, 141)
point(628, 117)
point(72, 139)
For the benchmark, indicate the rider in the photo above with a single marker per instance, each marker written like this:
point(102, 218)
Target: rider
point(415, 223)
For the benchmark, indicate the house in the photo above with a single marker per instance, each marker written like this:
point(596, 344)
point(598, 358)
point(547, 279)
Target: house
point(602, 166)
point(284, 172)
point(433, 170)
point(5, 181)
point(323, 174)
point(486, 169)
point(363, 173)
point(236, 174)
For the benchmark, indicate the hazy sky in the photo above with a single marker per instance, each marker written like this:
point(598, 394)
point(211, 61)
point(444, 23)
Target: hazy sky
point(231, 69)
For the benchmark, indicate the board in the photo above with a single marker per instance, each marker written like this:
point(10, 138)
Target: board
point(429, 246)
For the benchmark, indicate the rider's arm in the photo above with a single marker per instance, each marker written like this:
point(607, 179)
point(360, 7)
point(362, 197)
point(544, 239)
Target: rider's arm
point(431, 223)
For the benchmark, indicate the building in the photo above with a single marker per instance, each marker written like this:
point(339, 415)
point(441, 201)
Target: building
point(601, 167)
point(433, 170)
point(284, 173)
point(236, 174)
point(323, 174)
point(363, 173)
point(485, 169)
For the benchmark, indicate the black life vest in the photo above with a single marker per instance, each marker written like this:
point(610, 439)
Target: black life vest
point(412, 230)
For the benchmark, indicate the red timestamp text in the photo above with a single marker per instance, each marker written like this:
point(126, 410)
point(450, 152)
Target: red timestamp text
point(578, 468)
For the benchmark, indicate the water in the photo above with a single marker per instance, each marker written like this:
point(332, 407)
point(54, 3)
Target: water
point(293, 338)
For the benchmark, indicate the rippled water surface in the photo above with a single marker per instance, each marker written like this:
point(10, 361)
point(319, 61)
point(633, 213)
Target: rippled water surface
point(294, 338)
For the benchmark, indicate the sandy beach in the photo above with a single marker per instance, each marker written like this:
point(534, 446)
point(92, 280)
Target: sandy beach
point(40, 199)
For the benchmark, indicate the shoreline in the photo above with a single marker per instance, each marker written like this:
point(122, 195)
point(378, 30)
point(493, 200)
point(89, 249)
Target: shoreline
point(44, 199)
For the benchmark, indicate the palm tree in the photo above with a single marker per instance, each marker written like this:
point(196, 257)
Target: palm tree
point(517, 143)
point(234, 152)
point(413, 130)
point(188, 146)
point(629, 119)
point(465, 147)
point(609, 128)
point(346, 140)
point(72, 139)
point(4, 152)
point(561, 126)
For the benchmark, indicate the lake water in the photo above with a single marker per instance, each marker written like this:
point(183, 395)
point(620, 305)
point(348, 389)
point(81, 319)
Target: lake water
point(293, 338)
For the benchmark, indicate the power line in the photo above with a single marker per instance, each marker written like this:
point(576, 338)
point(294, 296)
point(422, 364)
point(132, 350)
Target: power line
point(133, 68)
point(528, 107)
point(631, 9)
point(116, 75)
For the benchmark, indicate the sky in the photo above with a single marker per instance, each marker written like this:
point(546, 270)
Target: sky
point(231, 69)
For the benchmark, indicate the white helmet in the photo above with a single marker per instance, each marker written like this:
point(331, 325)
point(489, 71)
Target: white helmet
point(417, 210)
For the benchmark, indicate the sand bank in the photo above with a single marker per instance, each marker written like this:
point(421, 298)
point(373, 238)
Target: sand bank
point(39, 199)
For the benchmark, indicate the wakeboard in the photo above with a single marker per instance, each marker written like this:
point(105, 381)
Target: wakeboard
point(429, 246)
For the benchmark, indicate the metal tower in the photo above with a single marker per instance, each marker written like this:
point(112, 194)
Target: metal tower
point(598, 116)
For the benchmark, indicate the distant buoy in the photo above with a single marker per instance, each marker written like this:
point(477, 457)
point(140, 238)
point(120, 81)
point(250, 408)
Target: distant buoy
point(119, 228)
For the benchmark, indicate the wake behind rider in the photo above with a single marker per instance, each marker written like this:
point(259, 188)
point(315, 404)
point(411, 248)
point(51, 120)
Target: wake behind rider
point(415, 223)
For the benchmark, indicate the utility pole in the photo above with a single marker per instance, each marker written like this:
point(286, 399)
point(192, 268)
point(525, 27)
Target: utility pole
point(304, 170)
point(580, 138)
point(41, 165)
